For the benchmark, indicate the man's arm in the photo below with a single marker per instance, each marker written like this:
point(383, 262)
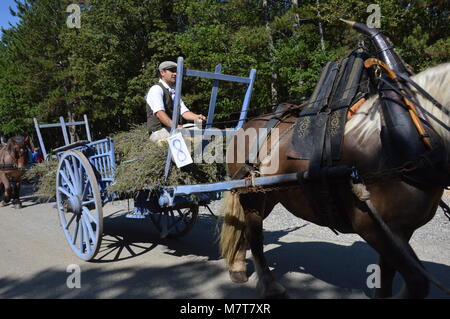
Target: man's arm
point(190, 116)
point(164, 118)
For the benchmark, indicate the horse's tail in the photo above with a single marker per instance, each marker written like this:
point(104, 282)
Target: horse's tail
point(232, 228)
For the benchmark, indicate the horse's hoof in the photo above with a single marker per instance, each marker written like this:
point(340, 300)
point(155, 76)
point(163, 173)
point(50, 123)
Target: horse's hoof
point(238, 276)
point(18, 206)
point(274, 291)
point(3, 204)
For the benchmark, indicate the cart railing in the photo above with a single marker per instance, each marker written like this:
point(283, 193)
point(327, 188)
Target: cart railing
point(63, 125)
point(216, 76)
point(102, 158)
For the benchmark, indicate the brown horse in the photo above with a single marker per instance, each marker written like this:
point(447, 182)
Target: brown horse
point(13, 161)
point(402, 206)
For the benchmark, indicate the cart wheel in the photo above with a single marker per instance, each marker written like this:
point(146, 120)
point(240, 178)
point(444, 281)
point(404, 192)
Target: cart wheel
point(79, 204)
point(175, 223)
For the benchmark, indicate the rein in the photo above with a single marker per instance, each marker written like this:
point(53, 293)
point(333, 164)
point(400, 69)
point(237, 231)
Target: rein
point(411, 103)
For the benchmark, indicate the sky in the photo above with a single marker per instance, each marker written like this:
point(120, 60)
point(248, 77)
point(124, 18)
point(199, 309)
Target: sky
point(5, 16)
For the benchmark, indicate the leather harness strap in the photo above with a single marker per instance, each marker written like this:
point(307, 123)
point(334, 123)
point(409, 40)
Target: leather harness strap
point(411, 108)
point(424, 93)
point(252, 160)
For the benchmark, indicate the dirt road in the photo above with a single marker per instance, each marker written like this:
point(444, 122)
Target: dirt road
point(310, 261)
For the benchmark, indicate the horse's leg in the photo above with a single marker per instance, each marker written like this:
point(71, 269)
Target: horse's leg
point(2, 193)
point(238, 269)
point(255, 208)
point(16, 202)
point(416, 284)
point(7, 188)
point(387, 273)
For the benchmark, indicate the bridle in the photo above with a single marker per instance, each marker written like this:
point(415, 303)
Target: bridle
point(15, 156)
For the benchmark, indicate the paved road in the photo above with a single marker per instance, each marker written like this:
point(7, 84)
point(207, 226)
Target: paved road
point(310, 261)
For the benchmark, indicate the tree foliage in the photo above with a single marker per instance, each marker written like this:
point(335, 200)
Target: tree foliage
point(104, 69)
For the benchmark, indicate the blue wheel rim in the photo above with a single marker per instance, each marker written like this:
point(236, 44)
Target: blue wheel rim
point(79, 204)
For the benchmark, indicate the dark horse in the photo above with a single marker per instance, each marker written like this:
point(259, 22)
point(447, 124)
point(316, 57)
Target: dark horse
point(13, 161)
point(403, 206)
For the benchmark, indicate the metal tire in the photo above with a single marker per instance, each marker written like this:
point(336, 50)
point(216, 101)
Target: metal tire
point(79, 204)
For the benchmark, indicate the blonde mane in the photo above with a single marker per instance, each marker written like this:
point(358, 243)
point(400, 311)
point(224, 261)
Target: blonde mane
point(436, 81)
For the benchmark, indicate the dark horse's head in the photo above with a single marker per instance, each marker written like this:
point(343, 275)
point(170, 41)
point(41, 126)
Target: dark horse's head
point(16, 151)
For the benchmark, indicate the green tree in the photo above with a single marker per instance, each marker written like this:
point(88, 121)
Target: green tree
point(34, 77)
point(105, 68)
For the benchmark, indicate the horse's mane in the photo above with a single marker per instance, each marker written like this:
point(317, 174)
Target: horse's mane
point(436, 81)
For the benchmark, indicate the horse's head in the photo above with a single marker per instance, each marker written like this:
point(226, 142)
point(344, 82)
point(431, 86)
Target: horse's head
point(17, 148)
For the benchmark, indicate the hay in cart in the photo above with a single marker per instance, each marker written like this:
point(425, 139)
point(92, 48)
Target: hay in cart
point(140, 163)
point(43, 177)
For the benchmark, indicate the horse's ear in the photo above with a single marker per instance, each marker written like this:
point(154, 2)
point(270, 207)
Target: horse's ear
point(27, 140)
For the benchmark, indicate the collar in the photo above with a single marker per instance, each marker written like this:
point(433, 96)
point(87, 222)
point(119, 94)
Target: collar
point(166, 85)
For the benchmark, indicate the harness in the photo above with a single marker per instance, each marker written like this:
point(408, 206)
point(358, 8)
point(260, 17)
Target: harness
point(252, 162)
point(319, 132)
point(4, 166)
point(318, 135)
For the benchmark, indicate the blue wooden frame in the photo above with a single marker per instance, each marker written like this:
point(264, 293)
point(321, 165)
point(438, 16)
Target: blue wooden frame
point(101, 156)
point(62, 123)
point(216, 76)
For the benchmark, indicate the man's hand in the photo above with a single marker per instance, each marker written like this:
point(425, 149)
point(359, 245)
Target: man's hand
point(200, 117)
point(189, 116)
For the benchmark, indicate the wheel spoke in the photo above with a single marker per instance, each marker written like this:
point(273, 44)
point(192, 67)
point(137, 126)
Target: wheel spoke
point(89, 228)
point(81, 236)
point(69, 169)
point(64, 191)
point(183, 215)
point(83, 194)
point(176, 221)
point(76, 175)
point(70, 221)
point(66, 179)
point(76, 232)
point(87, 237)
point(86, 203)
point(88, 214)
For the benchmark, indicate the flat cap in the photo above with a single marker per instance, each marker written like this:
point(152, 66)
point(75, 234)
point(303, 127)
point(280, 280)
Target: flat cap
point(167, 65)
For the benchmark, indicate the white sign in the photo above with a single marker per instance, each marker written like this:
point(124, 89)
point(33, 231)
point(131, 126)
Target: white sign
point(179, 150)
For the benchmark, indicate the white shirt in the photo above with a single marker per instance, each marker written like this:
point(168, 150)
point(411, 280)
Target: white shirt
point(155, 95)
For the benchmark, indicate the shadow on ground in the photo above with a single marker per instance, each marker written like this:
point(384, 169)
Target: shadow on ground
point(333, 271)
point(28, 197)
point(343, 267)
